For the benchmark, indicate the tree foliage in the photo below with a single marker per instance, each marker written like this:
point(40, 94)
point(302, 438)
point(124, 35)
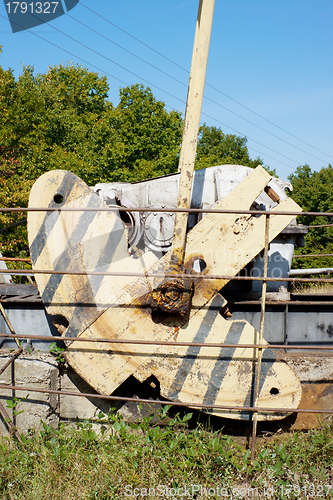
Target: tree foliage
point(63, 120)
point(313, 191)
point(217, 148)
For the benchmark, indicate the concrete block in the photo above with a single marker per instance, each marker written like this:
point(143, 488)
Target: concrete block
point(40, 370)
point(73, 408)
point(35, 370)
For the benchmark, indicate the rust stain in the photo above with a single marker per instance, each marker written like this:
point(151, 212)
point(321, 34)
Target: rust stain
point(315, 396)
point(174, 295)
point(272, 194)
point(242, 225)
point(132, 330)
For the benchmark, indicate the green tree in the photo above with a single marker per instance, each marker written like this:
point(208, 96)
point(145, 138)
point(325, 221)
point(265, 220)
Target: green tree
point(217, 148)
point(62, 120)
point(313, 191)
point(46, 123)
point(14, 192)
point(146, 138)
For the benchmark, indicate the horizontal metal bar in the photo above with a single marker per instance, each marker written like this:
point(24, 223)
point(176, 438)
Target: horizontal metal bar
point(166, 342)
point(320, 225)
point(281, 302)
point(15, 259)
point(28, 260)
point(157, 401)
point(315, 270)
point(163, 210)
point(9, 421)
point(25, 272)
point(7, 299)
point(314, 226)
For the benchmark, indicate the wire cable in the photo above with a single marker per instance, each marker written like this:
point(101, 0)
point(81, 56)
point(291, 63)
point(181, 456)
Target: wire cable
point(173, 96)
point(253, 140)
point(149, 83)
point(185, 85)
point(219, 91)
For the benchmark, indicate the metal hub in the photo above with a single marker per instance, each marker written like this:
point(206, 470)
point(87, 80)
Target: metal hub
point(174, 295)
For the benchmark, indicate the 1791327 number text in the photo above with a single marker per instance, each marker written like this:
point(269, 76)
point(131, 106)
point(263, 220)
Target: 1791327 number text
point(32, 7)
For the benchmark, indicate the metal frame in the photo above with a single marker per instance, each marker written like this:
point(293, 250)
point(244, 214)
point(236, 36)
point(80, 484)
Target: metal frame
point(258, 345)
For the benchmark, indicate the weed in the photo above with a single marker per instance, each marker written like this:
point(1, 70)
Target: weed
point(160, 455)
point(13, 404)
point(57, 351)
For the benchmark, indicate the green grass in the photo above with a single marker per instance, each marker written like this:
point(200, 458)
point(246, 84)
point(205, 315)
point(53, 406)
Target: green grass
point(166, 459)
point(312, 288)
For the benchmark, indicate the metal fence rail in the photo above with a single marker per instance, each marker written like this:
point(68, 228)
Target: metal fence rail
point(258, 346)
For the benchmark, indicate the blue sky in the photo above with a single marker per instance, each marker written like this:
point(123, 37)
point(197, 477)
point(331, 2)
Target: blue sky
point(271, 57)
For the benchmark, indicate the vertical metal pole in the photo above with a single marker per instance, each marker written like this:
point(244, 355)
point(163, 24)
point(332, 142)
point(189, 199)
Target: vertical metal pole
point(3, 411)
point(191, 126)
point(259, 351)
point(9, 421)
point(8, 322)
point(285, 336)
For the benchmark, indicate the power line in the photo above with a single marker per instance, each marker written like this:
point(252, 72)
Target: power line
point(126, 50)
point(185, 85)
point(122, 81)
point(113, 62)
point(222, 93)
point(264, 130)
point(162, 90)
point(134, 38)
point(70, 53)
point(260, 144)
point(165, 91)
point(159, 88)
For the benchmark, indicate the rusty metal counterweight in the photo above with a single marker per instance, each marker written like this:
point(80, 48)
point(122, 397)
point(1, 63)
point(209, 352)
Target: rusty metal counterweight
point(253, 408)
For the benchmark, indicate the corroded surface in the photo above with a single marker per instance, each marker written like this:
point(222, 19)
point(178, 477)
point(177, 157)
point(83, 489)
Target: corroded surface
point(172, 296)
point(117, 307)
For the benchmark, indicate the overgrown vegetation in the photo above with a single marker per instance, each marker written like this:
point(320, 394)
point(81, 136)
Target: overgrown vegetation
point(313, 191)
point(165, 459)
